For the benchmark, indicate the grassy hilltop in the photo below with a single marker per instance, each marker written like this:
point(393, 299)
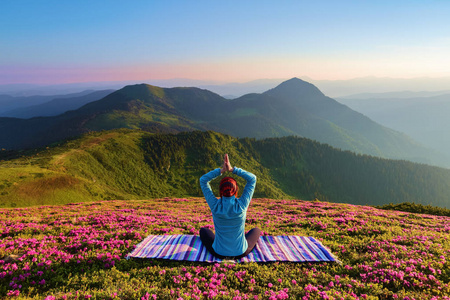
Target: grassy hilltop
point(121, 164)
point(78, 251)
point(133, 164)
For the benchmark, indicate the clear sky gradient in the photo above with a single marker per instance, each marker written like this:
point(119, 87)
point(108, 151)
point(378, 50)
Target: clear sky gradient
point(49, 42)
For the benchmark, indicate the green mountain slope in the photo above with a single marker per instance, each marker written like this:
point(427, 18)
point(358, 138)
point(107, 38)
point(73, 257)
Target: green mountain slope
point(341, 127)
point(133, 164)
point(294, 107)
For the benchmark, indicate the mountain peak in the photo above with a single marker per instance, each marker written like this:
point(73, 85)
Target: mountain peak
point(142, 90)
point(295, 87)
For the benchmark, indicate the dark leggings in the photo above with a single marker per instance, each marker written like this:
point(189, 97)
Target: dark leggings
point(207, 237)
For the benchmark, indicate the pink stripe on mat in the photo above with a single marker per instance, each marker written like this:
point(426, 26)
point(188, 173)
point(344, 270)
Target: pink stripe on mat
point(268, 248)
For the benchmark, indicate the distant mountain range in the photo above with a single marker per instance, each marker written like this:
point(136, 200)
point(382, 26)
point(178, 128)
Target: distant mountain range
point(425, 119)
point(394, 95)
point(294, 107)
point(332, 88)
point(28, 107)
point(371, 84)
point(8, 102)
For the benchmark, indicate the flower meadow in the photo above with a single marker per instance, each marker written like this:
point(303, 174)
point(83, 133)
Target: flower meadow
point(78, 251)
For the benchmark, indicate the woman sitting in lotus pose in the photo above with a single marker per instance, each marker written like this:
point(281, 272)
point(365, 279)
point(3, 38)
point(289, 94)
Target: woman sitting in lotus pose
point(229, 214)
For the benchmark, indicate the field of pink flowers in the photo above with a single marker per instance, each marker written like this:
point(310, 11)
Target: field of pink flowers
point(78, 251)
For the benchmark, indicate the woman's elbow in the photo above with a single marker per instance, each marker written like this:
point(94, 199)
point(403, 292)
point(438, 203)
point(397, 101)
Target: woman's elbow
point(203, 180)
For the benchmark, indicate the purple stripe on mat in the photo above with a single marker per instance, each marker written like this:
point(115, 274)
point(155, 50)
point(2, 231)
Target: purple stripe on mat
point(268, 248)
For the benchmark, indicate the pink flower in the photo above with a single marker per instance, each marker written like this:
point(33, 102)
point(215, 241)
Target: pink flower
point(13, 293)
point(311, 288)
point(270, 285)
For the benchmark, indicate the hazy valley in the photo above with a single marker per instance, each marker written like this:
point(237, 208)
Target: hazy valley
point(422, 116)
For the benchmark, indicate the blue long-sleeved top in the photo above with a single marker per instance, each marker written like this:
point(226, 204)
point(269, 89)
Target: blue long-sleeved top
point(229, 213)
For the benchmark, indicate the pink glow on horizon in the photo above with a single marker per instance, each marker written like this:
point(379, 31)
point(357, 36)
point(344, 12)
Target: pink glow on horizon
point(236, 70)
point(216, 71)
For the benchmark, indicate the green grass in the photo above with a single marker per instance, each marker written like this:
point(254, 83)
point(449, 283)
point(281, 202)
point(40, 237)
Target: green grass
point(417, 208)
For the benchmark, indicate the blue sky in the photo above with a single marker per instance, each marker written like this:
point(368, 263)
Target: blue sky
point(78, 41)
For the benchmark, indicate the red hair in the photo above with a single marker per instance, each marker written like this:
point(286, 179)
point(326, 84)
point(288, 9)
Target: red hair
point(228, 187)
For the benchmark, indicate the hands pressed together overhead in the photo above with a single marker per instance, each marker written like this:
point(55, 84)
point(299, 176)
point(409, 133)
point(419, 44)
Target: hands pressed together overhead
point(226, 167)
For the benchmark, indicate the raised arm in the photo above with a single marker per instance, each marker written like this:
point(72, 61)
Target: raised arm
point(206, 187)
point(249, 188)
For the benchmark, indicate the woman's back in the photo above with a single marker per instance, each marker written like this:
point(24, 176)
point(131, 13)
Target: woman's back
point(229, 213)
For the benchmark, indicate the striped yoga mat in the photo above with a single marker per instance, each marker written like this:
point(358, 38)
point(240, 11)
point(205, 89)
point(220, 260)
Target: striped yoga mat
point(268, 248)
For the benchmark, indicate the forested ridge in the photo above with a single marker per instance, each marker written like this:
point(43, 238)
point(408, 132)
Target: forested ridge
point(307, 168)
point(133, 164)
